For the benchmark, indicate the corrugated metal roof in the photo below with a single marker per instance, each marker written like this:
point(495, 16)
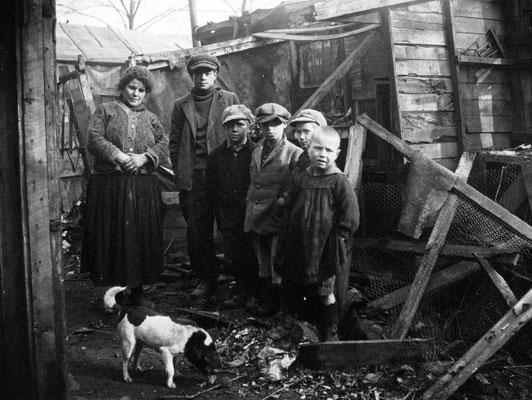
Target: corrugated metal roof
point(109, 45)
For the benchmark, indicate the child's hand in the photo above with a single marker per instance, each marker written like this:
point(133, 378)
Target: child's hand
point(277, 209)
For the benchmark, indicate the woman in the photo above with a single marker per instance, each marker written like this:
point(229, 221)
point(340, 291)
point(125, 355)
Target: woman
point(123, 233)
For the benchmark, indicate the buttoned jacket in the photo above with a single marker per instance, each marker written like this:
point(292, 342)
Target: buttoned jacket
point(269, 182)
point(183, 133)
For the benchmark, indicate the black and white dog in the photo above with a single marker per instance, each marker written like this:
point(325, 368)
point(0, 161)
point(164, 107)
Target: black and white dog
point(140, 327)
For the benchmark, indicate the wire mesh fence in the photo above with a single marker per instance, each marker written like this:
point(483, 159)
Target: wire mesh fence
point(466, 310)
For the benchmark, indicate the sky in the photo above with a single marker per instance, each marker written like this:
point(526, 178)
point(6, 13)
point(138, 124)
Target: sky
point(89, 12)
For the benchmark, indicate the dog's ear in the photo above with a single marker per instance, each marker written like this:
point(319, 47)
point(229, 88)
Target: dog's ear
point(197, 349)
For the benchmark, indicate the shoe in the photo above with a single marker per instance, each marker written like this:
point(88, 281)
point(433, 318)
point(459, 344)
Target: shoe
point(233, 302)
point(204, 290)
point(331, 334)
point(252, 303)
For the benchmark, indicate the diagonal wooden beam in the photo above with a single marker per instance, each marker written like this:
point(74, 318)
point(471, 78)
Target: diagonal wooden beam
point(460, 187)
point(434, 245)
point(338, 74)
point(486, 346)
point(498, 281)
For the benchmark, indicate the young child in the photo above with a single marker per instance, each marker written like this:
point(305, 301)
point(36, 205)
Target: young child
point(271, 168)
point(323, 214)
point(228, 183)
point(304, 123)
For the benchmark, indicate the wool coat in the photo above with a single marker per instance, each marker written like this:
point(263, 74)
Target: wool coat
point(183, 133)
point(269, 182)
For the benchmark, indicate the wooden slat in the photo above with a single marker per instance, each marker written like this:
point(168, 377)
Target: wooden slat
point(361, 352)
point(416, 52)
point(487, 107)
point(402, 14)
point(438, 150)
point(488, 123)
point(331, 9)
point(478, 9)
point(435, 68)
point(418, 85)
point(338, 74)
point(469, 74)
point(478, 26)
point(439, 280)
point(419, 37)
point(486, 91)
point(426, 102)
point(483, 349)
point(434, 134)
point(434, 245)
point(499, 282)
point(487, 61)
point(477, 141)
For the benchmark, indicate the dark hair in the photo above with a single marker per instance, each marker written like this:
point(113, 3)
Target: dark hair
point(136, 72)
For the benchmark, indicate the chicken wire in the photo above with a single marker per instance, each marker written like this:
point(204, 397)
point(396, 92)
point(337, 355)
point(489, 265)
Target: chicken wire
point(466, 310)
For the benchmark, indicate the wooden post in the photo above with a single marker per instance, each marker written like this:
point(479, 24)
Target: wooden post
point(40, 193)
point(455, 75)
point(435, 243)
point(486, 346)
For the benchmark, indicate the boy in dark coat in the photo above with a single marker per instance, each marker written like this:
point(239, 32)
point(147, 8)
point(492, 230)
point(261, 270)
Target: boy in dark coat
point(323, 213)
point(196, 130)
point(272, 164)
point(228, 183)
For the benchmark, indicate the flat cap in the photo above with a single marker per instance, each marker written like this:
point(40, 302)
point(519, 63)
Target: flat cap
point(270, 111)
point(236, 112)
point(309, 115)
point(202, 61)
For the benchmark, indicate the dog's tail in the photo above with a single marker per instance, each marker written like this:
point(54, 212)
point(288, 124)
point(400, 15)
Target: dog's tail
point(109, 300)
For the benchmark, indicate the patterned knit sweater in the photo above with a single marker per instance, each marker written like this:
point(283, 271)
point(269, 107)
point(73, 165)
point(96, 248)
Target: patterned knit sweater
point(114, 127)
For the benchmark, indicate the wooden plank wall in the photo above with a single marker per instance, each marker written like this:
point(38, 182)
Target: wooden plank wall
point(423, 79)
point(486, 93)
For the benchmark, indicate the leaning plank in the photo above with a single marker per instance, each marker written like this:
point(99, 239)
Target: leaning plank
point(448, 250)
point(338, 74)
point(361, 352)
point(460, 187)
point(491, 342)
point(435, 243)
point(353, 162)
point(438, 280)
point(498, 281)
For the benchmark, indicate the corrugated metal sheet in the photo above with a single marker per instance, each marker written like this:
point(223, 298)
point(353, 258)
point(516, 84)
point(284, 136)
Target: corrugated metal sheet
point(109, 45)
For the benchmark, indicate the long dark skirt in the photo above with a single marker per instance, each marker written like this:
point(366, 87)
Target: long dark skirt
point(123, 230)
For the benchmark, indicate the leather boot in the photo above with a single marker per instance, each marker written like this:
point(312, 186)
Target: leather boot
point(269, 301)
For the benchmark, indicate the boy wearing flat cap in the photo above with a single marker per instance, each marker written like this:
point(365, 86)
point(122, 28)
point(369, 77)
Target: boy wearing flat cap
point(196, 130)
point(304, 123)
point(271, 168)
point(228, 183)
